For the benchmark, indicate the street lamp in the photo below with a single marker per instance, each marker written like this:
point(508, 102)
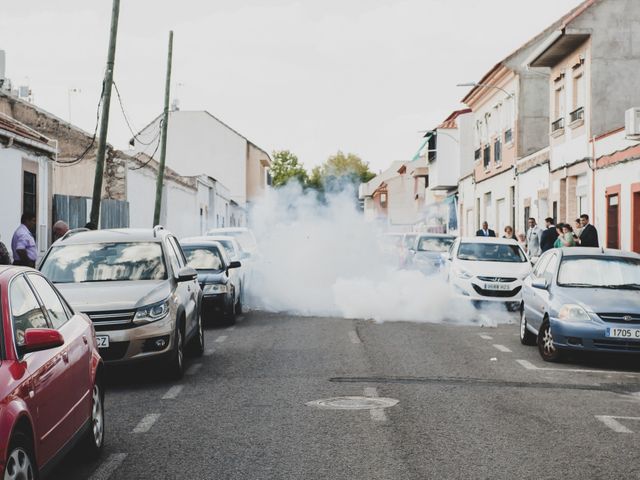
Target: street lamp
point(485, 85)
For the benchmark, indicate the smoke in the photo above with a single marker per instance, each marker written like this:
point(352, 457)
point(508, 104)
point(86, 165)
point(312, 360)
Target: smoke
point(318, 257)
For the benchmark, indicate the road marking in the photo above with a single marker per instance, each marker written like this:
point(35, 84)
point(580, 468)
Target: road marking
point(146, 423)
point(353, 336)
point(173, 392)
point(530, 366)
point(209, 352)
point(502, 348)
point(193, 369)
point(106, 469)
point(221, 339)
point(485, 337)
point(611, 422)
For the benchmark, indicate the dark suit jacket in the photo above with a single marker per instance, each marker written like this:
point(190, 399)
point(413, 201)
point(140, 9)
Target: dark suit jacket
point(548, 238)
point(480, 233)
point(589, 237)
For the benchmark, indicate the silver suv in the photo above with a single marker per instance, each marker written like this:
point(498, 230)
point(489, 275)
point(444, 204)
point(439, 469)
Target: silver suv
point(137, 289)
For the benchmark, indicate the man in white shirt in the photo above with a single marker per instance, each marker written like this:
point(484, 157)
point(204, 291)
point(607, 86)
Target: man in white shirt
point(534, 234)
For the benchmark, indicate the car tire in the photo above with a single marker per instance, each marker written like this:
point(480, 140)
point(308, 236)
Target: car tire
point(196, 345)
point(93, 441)
point(176, 362)
point(20, 462)
point(526, 336)
point(548, 351)
point(229, 316)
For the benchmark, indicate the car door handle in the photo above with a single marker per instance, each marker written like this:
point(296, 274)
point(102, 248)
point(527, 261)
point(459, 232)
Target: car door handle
point(84, 339)
point(65, 356)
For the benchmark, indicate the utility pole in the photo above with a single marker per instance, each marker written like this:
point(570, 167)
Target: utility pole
point(104, 118)
point(163, 145)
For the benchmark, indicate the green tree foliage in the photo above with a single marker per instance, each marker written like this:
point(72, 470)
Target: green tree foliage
point(340, 170)
point(285, 166)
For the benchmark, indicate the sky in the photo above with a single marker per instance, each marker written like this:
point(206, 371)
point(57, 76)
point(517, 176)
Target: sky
point(310, 76)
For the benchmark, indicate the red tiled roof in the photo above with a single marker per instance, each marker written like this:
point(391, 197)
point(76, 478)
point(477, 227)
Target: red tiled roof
point(450, 121)
point(15, 127)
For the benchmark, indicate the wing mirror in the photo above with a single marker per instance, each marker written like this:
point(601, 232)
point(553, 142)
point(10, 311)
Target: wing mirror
point(187, 274)
point(540, 283)
point(38, 339)
point(235, 264)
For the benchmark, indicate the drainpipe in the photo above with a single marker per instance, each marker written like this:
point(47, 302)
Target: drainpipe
point(593, 180)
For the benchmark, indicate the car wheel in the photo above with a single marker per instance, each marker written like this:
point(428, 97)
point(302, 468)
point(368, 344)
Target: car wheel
point(526, 337)
point(176, 364)
point(197, 342)
point(548, 351)
point(94, 438)
point(20, 462)
point(229, 317)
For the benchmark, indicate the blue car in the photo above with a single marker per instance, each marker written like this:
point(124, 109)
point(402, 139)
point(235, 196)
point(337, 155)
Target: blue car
point(582, 299)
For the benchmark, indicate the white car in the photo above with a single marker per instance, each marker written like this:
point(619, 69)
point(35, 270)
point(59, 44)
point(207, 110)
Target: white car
point(243, 236)
point(484, 269)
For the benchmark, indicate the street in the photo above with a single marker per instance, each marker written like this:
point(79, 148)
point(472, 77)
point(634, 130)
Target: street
point(472, 403)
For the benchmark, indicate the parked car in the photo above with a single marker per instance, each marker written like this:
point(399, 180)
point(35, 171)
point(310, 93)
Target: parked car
point(426, 252)
point(136, 287)
point(484, 269)
point(243, 235)
point(582, 299)
point(218, 278)
point(51, 390)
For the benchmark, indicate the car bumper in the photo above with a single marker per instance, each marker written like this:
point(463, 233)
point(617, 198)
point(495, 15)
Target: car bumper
point(591, 336)
point(140, 343)
point(473, 290)
point(216, 304)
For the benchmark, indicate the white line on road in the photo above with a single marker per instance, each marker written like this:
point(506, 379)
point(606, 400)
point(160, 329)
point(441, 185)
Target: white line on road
point(209, 352)
point(193, 369)
point(106, 469)
point(221, 339)
point(530, 366)
point(353, 336)
point(485, 337)
point(173, 392)
point(615, 425)
point(146, 423)
point(502, 348)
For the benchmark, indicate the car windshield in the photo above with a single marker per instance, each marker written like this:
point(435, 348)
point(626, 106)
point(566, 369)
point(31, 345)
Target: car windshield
point(434, 244)
point(491, 252)
point(101, 262)
point(229, 247)
point(203, 257)
point(604, 272)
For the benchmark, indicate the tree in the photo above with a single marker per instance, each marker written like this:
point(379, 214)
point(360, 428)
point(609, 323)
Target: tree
point(285, 166)
point(340, 170)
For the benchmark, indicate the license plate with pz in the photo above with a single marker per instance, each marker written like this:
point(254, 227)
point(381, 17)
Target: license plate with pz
point(102, 341)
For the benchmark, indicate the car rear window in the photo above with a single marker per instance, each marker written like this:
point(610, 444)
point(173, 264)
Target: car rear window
point(101, 262)
point(203, 257)
point(434, 244)
point(491, 252)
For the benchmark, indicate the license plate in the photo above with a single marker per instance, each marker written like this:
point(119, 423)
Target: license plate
point(103, 341)
point(497, 286)
point(631, 333)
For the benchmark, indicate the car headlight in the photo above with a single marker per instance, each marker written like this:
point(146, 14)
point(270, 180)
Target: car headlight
point(214, 288)
point(459, 272)
point(573, 313)
point(152, 313)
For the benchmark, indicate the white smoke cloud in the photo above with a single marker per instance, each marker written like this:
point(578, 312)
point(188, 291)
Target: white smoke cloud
point(322, 259)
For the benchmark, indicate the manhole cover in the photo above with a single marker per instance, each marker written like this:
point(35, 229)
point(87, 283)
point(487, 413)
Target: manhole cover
point(354, 403)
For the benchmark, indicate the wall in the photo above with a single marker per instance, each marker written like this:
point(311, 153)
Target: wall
point(257, 162)
point(499, 188)
point(141, 193)
point(533, 192)
point(466, 207)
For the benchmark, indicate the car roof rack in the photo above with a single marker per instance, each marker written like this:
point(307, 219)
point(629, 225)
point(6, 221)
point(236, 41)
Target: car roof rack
point(156, 229)
point(72, 232)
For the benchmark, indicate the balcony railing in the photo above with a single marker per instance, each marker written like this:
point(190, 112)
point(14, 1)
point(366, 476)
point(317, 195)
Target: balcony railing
point(577, 114)
point(557, 125)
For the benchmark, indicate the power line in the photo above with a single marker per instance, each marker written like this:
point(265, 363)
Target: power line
point(127, 120)
point(157, 137)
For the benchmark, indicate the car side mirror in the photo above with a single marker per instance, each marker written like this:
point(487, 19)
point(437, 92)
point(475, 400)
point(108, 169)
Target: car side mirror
point(38, 339)
point(540, 283)
point(187, 274)
point(235, 264)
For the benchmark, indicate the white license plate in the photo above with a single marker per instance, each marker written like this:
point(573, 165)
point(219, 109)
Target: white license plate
point(497, 286)
point(630, 333)
point(103, 341)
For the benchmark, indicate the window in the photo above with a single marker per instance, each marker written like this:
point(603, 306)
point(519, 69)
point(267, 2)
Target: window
point(541, 265)
point(508, 137)
point(477, 154)
point(613, 219)
point(550, 267)
point(432, 146)
point(497, 151)
point(559, 102)
point(491, 252)
point(383, 199)
point(204, 257)
point(486, 158)
point(527, 215)
point(50, 300)
point(29, 195)
point(25, 310)
point(578, 91)
point(179, 253)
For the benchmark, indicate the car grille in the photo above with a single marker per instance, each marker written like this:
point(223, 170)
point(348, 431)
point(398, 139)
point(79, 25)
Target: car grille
point(112, 320)
point(498, 279)
point(115, 351)
point(620, 317)
point(496, 293)
point(621, 345)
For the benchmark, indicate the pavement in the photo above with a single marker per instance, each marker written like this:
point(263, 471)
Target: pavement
point(472, 403)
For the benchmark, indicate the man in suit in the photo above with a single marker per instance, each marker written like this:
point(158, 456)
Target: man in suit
point(589, 235)
point(549, 236)
point(533, 238)
point(485, 231)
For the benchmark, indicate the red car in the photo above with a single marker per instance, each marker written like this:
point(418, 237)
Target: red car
point(51, 394)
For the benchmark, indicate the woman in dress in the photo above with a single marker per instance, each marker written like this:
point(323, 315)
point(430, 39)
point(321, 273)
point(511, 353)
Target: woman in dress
point(567, 236)
point(558, 242)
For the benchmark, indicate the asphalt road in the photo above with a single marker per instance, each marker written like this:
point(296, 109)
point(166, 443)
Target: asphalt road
point(472, 403)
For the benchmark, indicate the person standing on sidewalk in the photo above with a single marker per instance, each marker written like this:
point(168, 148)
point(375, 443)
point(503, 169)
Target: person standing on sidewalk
point(589, 234)
point(549, 236)
point(23, 245)
point(534, 234)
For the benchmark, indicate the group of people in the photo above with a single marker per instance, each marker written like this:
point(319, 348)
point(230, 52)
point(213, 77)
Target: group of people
point(23, 243)
point(536, 240)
